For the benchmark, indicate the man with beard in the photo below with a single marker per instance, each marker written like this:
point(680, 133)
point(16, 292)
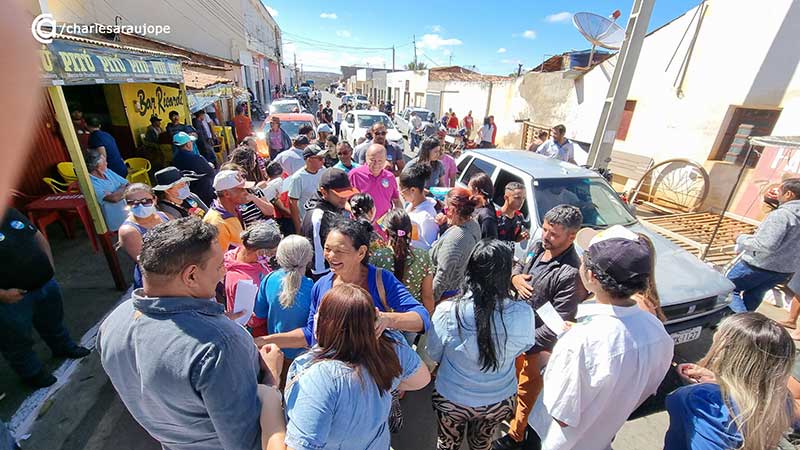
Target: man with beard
point(549, 274)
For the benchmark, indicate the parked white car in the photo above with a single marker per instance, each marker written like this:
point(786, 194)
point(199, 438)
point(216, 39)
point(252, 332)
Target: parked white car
point(403, 120)
point(283, 106)
point(357, 122)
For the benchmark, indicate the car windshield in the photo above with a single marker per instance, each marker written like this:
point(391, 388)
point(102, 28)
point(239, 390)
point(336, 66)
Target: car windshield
point(283, 108)
point(600, 205)
point(304, 89)
point(426, 116)
point(292, 127)
point(368, 121)
point(361, 97)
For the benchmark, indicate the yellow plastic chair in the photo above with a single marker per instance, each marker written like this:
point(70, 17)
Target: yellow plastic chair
point(57, 186)
point(67, 171)
point(138, 169)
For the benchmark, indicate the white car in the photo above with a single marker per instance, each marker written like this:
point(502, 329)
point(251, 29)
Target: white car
point(340, 91)
point(357, 122)
point(283, 106)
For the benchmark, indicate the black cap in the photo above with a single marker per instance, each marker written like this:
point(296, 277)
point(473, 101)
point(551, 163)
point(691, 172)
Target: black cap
point(621, 258)
point(301, 139)
point(313, 150)
point(155, 118)
point(169, 176)
point(337, 181)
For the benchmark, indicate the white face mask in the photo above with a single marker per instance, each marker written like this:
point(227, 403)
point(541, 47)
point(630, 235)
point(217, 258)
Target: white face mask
point(142, 211)
point(183, 192)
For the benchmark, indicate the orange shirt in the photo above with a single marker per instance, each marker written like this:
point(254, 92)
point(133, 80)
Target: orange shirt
point(452, 122)
point(243, 126)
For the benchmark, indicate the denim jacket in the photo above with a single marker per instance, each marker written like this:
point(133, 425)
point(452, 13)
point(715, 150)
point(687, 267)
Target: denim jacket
point(460, 378)
point(186, 372)
point(329, 405)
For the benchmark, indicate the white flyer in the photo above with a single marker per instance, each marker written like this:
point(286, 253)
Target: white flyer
point(551, 318)
point(245, 300)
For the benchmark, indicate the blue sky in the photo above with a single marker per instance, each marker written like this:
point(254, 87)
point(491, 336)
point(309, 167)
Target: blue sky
point(494, 36)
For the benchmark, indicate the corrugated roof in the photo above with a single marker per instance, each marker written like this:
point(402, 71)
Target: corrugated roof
point(109, 44)
point(200, 80)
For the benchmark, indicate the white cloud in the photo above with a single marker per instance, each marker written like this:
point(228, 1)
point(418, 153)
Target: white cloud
point(501, 50)
point(436, 28)
point(272, 11)
point(331, 16)
point(510, 61)
point(434, 41)
point(446, 52)
point(343, 33)
point(529, 34)
point(559, 17)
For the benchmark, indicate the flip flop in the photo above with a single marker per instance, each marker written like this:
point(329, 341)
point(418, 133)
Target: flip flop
point(787, 324)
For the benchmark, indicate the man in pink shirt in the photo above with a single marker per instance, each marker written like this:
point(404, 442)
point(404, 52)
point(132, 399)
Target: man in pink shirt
point(373, 179)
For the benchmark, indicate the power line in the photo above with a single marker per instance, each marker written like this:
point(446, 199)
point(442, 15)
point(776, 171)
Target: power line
point(331, 44)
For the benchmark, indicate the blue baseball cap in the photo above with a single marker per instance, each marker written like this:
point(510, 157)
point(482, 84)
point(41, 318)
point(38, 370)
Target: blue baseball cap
point(182, 138)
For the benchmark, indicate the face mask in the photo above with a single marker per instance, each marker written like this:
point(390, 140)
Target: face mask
point(183, 192)
point(142, 211)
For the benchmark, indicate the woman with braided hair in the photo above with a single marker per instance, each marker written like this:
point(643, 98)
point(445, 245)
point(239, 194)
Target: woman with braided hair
point(410, 265)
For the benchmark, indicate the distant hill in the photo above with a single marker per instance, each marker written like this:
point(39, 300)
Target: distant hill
point(321, 79)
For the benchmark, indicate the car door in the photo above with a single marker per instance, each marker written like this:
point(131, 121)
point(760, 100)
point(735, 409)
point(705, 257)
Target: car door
point(347, 127)
point(401, 120)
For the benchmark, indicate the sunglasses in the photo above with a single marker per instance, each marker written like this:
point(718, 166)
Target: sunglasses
point(380, 133)
point(143, 202)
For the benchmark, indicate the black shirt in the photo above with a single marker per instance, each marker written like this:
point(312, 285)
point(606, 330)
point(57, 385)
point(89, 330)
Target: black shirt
point(487, 219)
point(509, 229)
point(23, 262)
point(327, 115)
point(204, 188)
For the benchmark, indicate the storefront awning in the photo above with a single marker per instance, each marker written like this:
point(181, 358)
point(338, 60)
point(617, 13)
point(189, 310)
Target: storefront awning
point(776, 141)
point(200, 99)
point(76, 61)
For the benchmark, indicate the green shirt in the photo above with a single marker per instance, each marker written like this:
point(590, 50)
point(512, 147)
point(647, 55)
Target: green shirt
point(418, 266)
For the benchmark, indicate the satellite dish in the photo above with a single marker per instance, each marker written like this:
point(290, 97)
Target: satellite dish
point(599, 31)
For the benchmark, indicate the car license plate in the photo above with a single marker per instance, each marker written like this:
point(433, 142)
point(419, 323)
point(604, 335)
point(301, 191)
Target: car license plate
point(685, 336)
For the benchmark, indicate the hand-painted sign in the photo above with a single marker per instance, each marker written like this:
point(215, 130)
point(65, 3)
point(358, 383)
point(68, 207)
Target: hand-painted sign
point(69, 63)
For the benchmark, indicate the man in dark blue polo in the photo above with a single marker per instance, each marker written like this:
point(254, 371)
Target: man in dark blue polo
point(107, 145)
point(186, 159)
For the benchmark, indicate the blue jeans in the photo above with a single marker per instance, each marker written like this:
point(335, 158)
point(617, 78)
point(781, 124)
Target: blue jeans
point(751, 285)
point(415, 138)
point(41, 309)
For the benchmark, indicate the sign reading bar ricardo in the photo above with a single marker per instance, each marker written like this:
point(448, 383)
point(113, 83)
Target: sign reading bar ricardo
point(69, 63)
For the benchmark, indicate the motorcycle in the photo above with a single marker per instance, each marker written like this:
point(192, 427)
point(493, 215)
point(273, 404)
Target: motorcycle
point(256, 112)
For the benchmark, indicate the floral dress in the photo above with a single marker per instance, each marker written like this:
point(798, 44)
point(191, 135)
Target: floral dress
point(418, 266)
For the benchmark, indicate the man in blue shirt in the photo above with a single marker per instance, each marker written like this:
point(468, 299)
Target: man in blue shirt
point(186, 372)
point(106, 144)
point(559, 147)
point(185, 159)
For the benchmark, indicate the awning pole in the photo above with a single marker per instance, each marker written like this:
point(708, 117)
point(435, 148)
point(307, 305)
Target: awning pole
point(727, 202)
point(56, 94)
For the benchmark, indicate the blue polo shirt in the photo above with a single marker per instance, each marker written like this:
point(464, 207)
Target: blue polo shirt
point(114, 159)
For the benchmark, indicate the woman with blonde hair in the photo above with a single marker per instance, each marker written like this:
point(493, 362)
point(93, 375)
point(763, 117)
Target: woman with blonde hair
point(738, 396)
point(284, 296)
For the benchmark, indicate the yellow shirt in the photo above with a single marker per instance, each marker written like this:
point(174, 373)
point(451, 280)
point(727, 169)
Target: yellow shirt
point(228, 226)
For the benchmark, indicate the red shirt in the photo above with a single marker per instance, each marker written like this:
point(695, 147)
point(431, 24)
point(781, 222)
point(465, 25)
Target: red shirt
point(452, 122)
point(468, 123)
point(243, 126)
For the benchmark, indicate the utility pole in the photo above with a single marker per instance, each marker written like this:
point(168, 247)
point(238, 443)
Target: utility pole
point(393, 58)
point(519, 70)
point(606, 133)
point(296, 76)
point(450, 60)
point(414, 41)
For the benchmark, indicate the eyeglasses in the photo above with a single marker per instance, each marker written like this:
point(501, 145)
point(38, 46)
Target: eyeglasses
point(143, 202)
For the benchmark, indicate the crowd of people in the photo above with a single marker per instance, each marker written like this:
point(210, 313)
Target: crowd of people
point(368, 286)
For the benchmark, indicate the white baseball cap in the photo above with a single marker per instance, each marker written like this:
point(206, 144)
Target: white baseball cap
point(229, 179)
point(324, 128)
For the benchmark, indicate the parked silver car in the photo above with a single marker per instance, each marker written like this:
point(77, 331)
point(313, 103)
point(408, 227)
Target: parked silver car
point(693, 294)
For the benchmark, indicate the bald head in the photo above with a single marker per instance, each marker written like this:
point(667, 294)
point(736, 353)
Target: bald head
point(375, 158)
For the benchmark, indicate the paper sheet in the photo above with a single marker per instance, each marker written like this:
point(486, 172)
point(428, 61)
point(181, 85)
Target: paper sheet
point(551, 318)
point(245, 300)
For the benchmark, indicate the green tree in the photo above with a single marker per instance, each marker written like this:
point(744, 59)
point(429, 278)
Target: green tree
point(416, 66)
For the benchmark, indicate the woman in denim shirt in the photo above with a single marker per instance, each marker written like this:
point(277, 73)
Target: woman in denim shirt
point(338, 394)
point(475, 340)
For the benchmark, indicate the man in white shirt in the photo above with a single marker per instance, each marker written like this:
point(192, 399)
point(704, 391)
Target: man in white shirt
point(611, 360)
point(305, 182)
point(558, 147)
point(292, 159)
